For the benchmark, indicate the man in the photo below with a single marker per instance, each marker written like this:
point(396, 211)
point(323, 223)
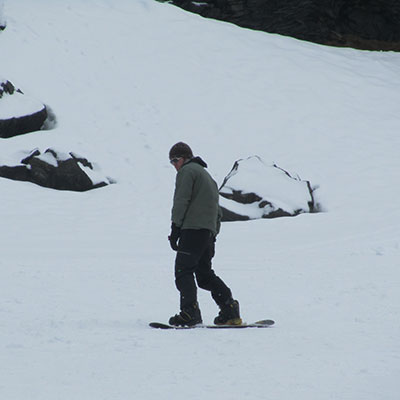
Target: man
point(196, 218)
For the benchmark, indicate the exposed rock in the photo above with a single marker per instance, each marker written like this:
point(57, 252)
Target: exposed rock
point(255, 190)
point(364, 24)
point(19, 113)
point(56, 170)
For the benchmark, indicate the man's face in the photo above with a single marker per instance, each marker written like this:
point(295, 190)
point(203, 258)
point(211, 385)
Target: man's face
point(177, 162)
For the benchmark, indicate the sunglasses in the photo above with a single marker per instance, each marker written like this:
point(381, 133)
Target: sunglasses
point(175, 160)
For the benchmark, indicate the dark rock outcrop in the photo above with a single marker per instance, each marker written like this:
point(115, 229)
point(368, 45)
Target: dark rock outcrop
point(56, 170)
point(255, 190)
point(18, 113)
point(363, 24)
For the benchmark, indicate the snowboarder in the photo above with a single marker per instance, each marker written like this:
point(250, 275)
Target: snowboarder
point(196, 219)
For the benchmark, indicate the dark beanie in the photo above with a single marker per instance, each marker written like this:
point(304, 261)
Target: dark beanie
point(180, 149)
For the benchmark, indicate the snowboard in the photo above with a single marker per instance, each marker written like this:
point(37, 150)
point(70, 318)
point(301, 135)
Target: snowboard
point(265, 323)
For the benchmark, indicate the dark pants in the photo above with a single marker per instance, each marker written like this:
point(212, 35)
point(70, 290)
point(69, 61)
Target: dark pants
point(195, 250)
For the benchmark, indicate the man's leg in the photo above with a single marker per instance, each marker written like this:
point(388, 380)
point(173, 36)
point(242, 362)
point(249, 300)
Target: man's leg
point(192, 245)
point(206, 278)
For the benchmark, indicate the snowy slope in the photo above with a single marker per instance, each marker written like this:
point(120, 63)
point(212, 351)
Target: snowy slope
point(81, 274)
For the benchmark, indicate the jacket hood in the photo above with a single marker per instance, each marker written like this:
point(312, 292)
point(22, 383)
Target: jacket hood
point(198, 160)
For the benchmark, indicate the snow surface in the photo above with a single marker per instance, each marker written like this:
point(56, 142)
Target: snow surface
point(18, 105)
point(48, 158)
point(82, 274)
point(2, 17)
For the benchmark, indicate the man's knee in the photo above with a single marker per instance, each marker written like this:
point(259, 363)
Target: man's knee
point(185, 263)
point(204, 280)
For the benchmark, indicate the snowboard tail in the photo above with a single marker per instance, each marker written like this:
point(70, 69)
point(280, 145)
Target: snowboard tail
point(265, 323)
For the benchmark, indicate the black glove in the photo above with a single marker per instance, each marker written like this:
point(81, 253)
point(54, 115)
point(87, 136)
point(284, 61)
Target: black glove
point(174, 236)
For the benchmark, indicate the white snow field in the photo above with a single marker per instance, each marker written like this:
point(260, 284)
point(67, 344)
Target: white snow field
point(82, 274)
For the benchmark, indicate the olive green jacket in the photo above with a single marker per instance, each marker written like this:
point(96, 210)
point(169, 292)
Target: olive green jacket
point(196, 198)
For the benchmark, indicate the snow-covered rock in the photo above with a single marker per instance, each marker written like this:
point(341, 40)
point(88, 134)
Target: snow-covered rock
point(19, 113)
point(56, 170)
point(254, 190)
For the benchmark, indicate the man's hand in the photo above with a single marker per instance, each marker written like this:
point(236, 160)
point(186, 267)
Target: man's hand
point(174, 236)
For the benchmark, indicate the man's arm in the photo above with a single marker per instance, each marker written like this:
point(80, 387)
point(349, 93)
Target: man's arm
point(182, 196)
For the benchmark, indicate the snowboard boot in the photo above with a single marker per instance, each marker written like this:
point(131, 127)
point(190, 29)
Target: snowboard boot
point(189, 316)
point(229, 314)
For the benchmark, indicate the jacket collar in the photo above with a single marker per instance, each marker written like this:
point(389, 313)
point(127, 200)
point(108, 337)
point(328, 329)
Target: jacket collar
point(197, 160)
